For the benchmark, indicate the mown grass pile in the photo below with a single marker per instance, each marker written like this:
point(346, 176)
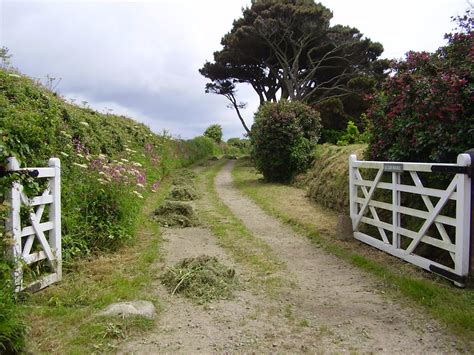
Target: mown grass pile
point(183, 193)
point(202, 279)
point(109, 163)
point(176, 214)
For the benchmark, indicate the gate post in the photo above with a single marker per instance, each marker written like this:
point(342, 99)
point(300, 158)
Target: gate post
point(463, 219)
point(13, 225)
point(352, 191)
point(470, 152)
point(55, 215)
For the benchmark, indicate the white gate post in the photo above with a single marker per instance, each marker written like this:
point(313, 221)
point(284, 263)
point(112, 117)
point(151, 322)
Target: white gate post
point(13, 225)
point(55, 215)
point(463, 218)
point(352, 190)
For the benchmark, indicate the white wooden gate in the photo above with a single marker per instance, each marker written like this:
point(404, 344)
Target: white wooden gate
point(30, 244)
point(450, 234)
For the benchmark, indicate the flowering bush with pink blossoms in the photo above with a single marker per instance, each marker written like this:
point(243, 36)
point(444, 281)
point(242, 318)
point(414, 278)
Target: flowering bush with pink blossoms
point(425, 111)
point(109, 163)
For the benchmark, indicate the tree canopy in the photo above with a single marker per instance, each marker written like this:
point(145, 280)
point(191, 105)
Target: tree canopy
point(288, 50)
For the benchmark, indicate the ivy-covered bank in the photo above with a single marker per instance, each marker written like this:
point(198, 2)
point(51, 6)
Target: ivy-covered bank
point(109, 164)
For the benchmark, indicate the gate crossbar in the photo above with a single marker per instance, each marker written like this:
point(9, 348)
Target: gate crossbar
point(459, 191)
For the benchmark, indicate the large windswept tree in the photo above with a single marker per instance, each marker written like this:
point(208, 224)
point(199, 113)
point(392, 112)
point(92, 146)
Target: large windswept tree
point(287, 49)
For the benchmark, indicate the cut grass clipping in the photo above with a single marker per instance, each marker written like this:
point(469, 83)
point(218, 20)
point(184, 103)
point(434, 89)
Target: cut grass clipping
point(184, 177)
point(183, 193)
point(176, 214)
point(202, 279)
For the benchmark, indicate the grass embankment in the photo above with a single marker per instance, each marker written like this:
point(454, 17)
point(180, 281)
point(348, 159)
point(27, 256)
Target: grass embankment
point(63, 318)
point(109, 165)
point(453, 307)
point(232, 235)
point(327, 180)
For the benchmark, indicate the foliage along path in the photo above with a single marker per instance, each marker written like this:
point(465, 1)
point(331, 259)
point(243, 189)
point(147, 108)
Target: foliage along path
point(293, 296)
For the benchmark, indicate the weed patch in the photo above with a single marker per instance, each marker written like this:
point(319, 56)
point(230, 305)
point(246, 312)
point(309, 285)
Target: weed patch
point(202, 279)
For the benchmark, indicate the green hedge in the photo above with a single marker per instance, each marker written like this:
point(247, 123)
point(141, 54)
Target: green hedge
point(109, 163)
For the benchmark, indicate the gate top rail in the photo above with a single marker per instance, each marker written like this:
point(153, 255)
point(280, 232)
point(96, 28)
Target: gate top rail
point(463, 160)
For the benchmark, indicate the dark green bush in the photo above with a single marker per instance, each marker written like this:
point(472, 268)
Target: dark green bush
point(283, 137)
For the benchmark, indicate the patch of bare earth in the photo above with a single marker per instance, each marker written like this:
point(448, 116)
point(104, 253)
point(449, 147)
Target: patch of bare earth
point(324, 306)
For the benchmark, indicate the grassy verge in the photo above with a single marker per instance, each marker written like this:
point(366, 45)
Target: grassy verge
point(451, 306)
point(63, 317)
point(232, 235)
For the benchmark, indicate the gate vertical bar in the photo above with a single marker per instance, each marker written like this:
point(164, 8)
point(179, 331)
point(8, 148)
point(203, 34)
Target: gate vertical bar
point(55, 215)
point(395, 212)
point(352, 190)
point(13, 225)
point(463, 218)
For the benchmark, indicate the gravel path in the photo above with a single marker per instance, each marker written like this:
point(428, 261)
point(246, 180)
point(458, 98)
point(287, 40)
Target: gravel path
point(336, 296)
point(322, 306)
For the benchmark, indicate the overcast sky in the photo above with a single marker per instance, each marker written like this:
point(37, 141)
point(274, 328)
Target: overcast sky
point(141, 58)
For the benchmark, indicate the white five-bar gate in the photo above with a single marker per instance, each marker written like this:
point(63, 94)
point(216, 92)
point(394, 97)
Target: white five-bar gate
point(30, 243)
point(376, 202)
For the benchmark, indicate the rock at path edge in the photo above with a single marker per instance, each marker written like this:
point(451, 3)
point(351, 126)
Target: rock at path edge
point(133, 308)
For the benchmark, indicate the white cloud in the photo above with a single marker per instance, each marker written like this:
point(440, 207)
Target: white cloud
point(141, 58)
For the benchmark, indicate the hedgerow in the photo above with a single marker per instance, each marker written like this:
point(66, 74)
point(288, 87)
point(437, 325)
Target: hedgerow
point(109, 163)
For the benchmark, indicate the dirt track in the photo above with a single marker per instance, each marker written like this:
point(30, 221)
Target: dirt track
point(324, 305)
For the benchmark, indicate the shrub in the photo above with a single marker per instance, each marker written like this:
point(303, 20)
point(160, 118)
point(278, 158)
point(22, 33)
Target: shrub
point(242, 144)
point(352, 135)
point(425, 111)
point(198, 148)
point(214, 132)
point(283, 137)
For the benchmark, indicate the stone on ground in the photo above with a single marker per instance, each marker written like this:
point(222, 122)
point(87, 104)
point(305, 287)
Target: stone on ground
point(128, 309)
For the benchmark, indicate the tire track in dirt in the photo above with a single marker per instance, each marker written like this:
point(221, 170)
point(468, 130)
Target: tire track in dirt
point(332, 295)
